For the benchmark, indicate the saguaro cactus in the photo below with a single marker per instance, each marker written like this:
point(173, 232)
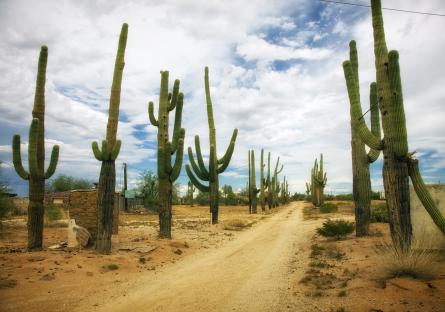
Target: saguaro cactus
point(253, 191)
point(216, 166)
point(190, 191)
point(274, 188)
point(361, 180)
point(264, 181)
point(166, 173)
point(108, 154)
point(36, 158)
point(318, 183)
point(398, 164)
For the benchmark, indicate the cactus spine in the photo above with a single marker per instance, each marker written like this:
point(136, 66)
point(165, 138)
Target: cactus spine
point(166, 173)
point(190, 191)
point(360, 160)
point(253, 191)
point(264, 182)
point(398, 164)
point(36, 158)
point(108, 154)
point(216, 166)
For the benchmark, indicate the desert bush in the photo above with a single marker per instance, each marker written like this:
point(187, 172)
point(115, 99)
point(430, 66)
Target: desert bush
point(417, 262)
point(328, 208)
point(7, 206)
point(336, 228)
point(379, 213)
point(52, 213)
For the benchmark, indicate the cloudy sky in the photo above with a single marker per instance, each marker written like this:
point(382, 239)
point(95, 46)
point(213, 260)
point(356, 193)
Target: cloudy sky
point(275, 71)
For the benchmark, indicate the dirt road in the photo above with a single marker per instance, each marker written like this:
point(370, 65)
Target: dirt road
point(249, 273)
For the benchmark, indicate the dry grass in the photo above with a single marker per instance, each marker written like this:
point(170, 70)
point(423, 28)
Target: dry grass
point(237, 224)
point(417, 262)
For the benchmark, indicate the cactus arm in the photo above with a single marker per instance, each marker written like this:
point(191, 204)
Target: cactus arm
point(228, 155)
point(105, 151)
point(195, 166)
point(373, 154)
point(179, 156)
point(365, 134)
point(178, 117)
point(195, 181)
point(17, 158)
point(151, 114)
point(116, 150)
point(53, 162)
point(230, 148)
point(424, 196)
point(173, 98)
point(395, 84)
point(32, 149)
point(97, 152)
point(281, 169)
point(199, 157)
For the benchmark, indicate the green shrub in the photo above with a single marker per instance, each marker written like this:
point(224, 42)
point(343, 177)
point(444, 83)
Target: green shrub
point(336, 228)
point(328, 208)
point(7, 206)
point(52, 213)
point(379, 213)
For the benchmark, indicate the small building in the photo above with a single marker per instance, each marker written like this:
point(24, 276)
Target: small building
point(81, 205)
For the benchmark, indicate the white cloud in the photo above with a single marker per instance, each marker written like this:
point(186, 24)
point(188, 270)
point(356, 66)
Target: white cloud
point(295, 113)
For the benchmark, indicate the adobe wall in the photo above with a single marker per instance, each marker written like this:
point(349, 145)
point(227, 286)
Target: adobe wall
point(425, 230)
point(82, 208)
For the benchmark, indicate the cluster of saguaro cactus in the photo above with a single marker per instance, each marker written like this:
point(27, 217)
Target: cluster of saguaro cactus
point(318, 183)
point(190, 191)
point(285, 195)
point(274, 188)
point(361, 180)
point(216, 166)
point(252, 190)
point(36, 158)
point(108, 154)
point(398, 163)
point(167, 173)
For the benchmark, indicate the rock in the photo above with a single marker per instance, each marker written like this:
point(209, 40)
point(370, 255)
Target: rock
point(48, 277)
point(79, 266)
point(178, 251)
point(36, 258)
point(90, 274)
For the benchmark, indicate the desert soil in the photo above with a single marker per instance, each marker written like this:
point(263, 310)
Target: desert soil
point(246, 263)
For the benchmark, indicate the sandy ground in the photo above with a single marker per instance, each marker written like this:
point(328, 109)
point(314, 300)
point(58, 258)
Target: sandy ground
point(246, 263)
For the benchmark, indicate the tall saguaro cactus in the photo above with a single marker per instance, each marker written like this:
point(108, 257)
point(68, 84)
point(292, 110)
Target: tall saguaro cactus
point(361, 181)
point(190, 191)
point(318, 183)
point(253, 191)
point(36, 158)
point(166, 173)
point(216, 166)
point(274, 188)
point(108, 154)
point(398, 163)
point(264, 181)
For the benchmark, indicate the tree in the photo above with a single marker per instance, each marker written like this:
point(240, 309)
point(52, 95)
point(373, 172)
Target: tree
point(147, 187)
point(7, 206)
point(66, 183)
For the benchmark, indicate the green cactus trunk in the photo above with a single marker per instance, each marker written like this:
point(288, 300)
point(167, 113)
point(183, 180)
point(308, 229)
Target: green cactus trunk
point(166, 173)
point(253, 191)
point(36, 159)
point(361, 160)
point(318, 183)
point(216, 166)
point(108, 154)
point(264, 184)
point(190, 191)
